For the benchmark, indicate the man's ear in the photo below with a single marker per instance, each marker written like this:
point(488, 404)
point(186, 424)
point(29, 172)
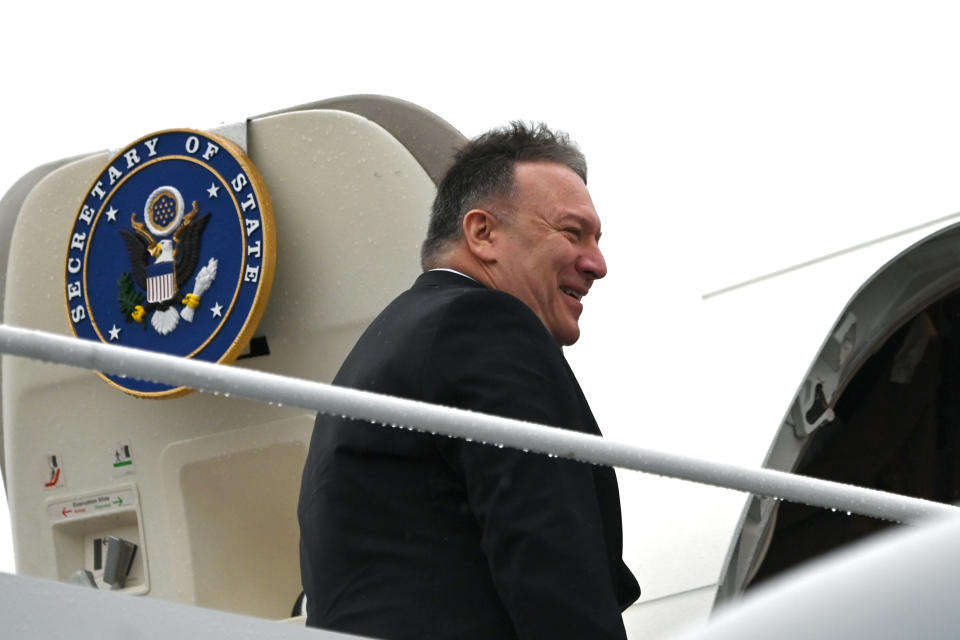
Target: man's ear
point(480, 232)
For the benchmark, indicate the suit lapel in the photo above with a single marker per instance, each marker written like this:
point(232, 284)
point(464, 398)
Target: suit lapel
point(589, 421)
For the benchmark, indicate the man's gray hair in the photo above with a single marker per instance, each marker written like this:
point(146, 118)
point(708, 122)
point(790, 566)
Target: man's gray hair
point(483, 169)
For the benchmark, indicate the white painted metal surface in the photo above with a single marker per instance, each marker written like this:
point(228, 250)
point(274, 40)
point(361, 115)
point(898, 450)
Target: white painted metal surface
point(35, 608)
point(900, 585)
point(215, 481)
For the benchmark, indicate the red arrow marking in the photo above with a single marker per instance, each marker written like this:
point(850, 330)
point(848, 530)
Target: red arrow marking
point(65, 511)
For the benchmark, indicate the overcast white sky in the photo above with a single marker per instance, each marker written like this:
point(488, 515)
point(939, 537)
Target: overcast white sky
point(725, 139)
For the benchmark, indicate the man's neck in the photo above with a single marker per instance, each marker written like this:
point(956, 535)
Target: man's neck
point(459, 260)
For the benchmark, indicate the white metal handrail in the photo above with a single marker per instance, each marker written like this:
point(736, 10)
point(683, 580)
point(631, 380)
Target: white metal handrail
point(400, 412)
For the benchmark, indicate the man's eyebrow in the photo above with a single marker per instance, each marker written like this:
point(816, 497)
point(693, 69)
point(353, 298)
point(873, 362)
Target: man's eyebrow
point(580, 219)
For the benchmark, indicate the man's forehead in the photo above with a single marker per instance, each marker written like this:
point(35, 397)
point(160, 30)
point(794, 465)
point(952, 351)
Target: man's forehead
point(556, 190)
point(550, 181)
point(540, 169)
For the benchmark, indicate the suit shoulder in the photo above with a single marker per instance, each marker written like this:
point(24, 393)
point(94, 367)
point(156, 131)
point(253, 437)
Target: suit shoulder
point(491, 310)
point(491, 333)
point(467, 307)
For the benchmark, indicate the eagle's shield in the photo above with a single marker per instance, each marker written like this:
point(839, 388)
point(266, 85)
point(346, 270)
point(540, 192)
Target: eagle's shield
point(161, 284)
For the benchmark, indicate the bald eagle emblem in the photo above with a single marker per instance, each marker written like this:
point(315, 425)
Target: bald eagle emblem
point(164, 251)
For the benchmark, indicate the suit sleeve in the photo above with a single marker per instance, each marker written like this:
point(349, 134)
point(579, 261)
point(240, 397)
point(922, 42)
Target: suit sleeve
point(541, 525)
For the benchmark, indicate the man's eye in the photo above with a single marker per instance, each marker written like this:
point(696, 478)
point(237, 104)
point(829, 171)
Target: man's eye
point(573, 231)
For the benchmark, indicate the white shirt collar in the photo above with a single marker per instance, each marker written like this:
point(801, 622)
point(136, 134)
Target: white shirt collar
point(459, 273)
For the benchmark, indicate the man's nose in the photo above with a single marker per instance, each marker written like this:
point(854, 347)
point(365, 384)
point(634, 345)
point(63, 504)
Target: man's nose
point(591, 262)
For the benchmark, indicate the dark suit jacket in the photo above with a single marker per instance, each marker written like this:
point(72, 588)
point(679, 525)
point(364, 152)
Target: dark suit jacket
point(412, 535)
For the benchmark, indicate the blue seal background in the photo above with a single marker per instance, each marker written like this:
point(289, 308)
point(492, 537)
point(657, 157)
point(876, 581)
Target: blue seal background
point(224, 239)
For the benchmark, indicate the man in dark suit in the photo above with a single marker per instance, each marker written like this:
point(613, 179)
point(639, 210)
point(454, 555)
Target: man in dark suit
point(412, 535)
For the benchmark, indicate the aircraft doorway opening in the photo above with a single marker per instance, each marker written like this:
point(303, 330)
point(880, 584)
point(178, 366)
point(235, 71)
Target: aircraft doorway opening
point(896, 428)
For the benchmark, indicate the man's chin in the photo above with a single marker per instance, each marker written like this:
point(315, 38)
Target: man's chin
point(567, 337)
